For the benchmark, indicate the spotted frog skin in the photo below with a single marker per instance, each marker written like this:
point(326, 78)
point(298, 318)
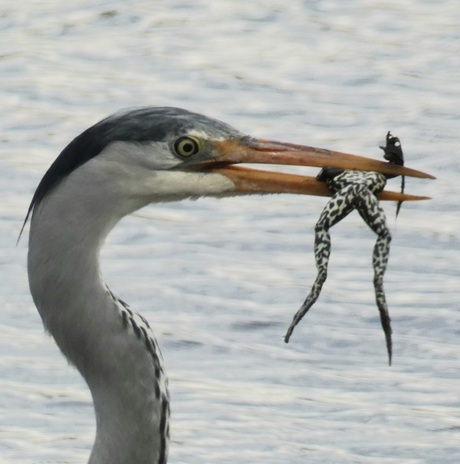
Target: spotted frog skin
point(354, 190)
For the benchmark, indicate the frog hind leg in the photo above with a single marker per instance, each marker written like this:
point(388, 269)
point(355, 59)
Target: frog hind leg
point(374, 216)
point(338, 207)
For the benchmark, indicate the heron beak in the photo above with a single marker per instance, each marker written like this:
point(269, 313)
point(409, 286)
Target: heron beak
point(271, 152)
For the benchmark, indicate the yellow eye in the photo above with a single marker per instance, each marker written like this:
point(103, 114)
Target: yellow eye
point(187, 146)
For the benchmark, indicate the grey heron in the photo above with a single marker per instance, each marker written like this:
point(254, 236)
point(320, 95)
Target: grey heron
point(115, 167)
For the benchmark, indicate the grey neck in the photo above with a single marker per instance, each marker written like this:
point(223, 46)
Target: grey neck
point(113, 347)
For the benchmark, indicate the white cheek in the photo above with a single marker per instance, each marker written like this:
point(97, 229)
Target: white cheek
point(176, 185)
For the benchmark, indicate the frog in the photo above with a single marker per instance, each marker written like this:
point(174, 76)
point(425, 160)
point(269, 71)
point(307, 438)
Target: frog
point(355, 190)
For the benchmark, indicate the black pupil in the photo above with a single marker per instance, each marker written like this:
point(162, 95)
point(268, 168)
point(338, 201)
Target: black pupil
point(188, 147)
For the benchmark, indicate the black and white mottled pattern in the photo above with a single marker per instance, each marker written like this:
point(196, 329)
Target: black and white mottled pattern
point(140, 327)
point(352, 190)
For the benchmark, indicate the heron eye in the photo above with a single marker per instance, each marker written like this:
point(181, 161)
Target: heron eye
point(187, 146)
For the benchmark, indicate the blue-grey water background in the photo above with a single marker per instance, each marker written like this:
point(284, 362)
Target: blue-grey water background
point(219, 280)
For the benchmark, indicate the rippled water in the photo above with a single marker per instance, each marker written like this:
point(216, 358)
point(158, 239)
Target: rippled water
point(220, 280)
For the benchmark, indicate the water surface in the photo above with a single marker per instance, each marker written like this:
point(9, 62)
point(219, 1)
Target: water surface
point(220, 280)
